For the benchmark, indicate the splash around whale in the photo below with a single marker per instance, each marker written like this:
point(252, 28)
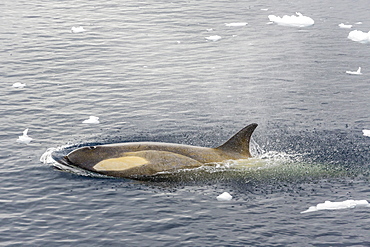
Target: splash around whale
point(142, 159)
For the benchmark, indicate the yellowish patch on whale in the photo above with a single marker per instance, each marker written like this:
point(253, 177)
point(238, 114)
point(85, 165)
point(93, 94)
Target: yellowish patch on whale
point(120, 164)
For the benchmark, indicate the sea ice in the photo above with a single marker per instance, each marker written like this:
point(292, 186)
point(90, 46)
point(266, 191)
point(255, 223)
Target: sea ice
point(19, 85)
point(224, 197)
point(366, 132)
point(292, 21)
point(77, 29)
point(359, 36)
point(358, 72)
point(236, 24)
point(328, 205)
point(92, 120)
point(342, 25)
point(24, 138)
point(213, 38)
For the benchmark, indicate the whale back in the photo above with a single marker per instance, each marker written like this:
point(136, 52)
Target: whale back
point(239, 143)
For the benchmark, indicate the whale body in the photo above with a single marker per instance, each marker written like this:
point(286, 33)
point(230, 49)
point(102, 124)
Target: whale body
point(138, 159)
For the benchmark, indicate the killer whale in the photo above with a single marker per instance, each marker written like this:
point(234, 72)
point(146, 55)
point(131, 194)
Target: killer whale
point(140, 159)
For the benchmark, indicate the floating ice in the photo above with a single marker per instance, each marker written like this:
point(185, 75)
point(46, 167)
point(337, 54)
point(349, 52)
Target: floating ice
point(342, 25)
point(24, 138)
point(358, 23)
point(92, 120)
point(19, 85)
point(224, 197)
point(366, 132)
point(358, 72)
point(328, 205)
point(77, 29)
point(236, 24)
point(213, 38)
point(359, 36)
point(292, 21)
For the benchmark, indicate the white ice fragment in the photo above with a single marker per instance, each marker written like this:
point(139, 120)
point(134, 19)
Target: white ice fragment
point(92, 120)
point(292, 21)
point(328, 205)
point(209, 29)
point(236, 24)
point(224, 197)
point(24, 138)
point(19, 85)
point(366, 132)
point(342, 25)
point(359, 36)
point(264, 9)
point(79, 29)
point(358, 72)
point(213, 38)
point(358, 23)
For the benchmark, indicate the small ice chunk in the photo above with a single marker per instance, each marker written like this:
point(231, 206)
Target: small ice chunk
point(19, 85)
point(358, 72)
point(209, 29)
point(264, 9)
point(358, 23)
point(79, 29)
point(328, 205)
point(236, 24)
point(292, 21)
point(92, 120)
point(224, 197)
point(366, 132)
point(24, 138)
point(342, 25)
point(359, 36)
point(213, 38)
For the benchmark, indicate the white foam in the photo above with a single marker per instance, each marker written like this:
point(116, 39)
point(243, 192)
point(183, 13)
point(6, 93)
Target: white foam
point(213, 38)
point(236, 24)
point(79, 29)
point(359, 36)
point(342, 25)
point(328, 205)
point(366, 132)
point(24, 138)
point(224, 197)
point(92, 120)
point(19, 85)
point(358, 72)
point(292, 21)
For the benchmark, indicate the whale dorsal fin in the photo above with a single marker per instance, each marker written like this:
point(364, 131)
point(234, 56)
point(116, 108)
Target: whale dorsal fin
point(239, 143)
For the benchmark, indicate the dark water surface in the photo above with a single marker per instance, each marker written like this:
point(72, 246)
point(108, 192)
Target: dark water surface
point(147, 71)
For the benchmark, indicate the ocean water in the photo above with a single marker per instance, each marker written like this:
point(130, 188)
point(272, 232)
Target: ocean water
point(147, 71)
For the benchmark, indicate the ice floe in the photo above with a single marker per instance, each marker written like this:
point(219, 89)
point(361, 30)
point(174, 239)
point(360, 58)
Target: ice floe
point(358, 72)
point(292, 21)
point(79, 29)
point(24, 138)
point(342, 25)
point(359, 36)
point(328, 205)
point(236, 24)
point(19, 85)
point(224, 197)
point(92, 120)
point(213, 38)
point(366, 132)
